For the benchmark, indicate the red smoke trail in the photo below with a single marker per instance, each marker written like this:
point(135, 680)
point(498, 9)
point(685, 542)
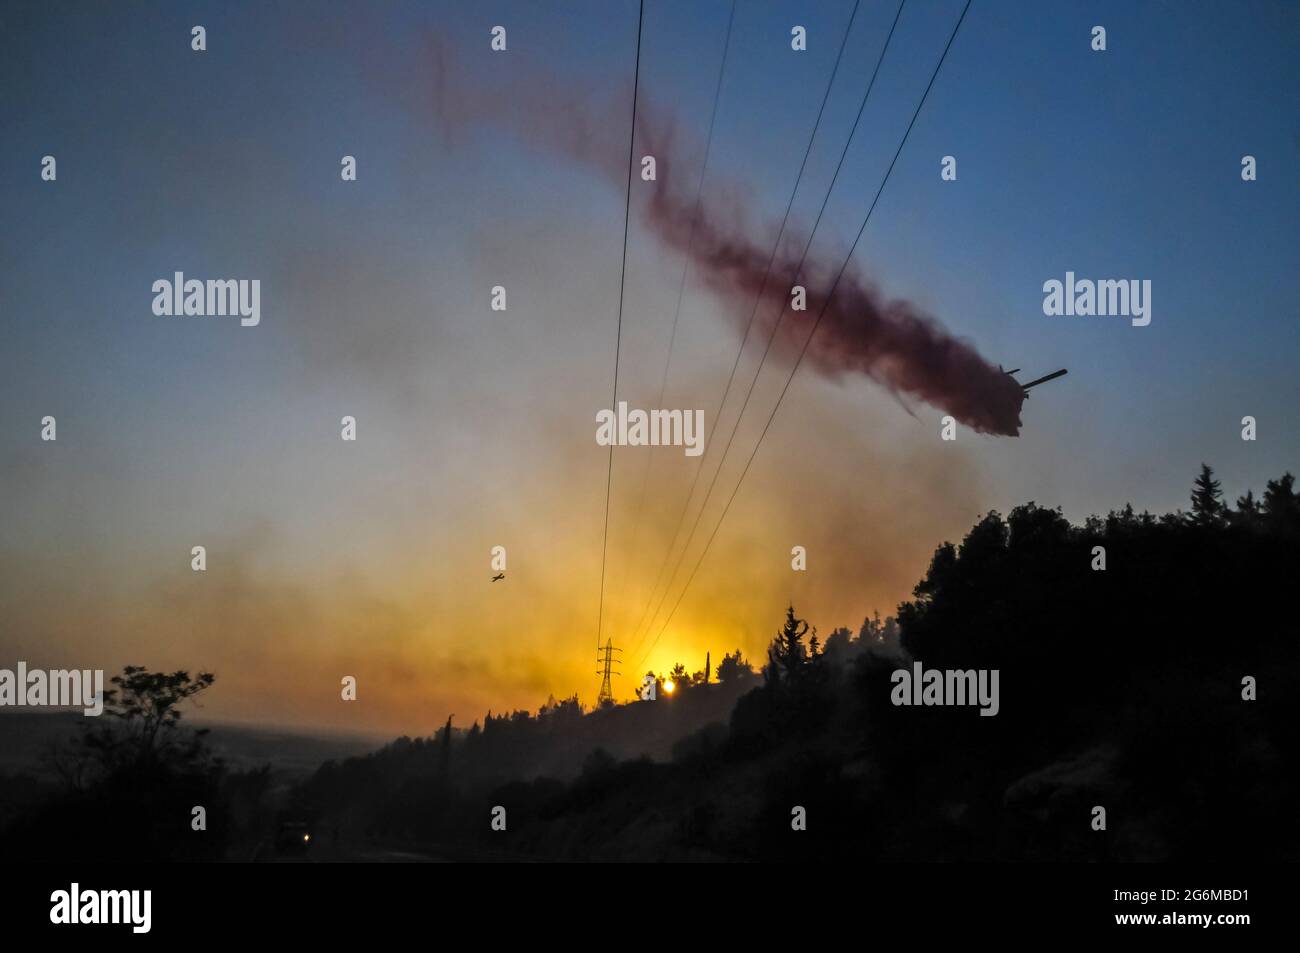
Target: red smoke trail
point(890, 341)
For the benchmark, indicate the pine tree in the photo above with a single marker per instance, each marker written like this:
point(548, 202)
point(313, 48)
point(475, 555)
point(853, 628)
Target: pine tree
point(1282, 504)
point(444, 750)
point(1207, 499)
point(1248, 511)
point(787, 653)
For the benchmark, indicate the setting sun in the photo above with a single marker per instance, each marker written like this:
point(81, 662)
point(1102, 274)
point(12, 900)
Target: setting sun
point(668, 687)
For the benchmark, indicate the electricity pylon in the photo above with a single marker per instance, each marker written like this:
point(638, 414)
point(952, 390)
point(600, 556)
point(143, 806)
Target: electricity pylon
point(606, 657)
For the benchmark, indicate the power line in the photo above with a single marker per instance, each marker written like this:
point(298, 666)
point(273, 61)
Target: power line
point(816, 324)
point(681, 288)
point(735, 427)
point(731, 378)
point(618, 340)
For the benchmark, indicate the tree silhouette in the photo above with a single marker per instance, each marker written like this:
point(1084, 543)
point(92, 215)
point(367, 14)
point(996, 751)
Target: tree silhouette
point(444, 750)
point(1282, 505)
point(733, 667)
point(145, 706)
point(680, 678)
point(1207, 499)
point(1248, 512)
point(132, 779)
point(787, 654)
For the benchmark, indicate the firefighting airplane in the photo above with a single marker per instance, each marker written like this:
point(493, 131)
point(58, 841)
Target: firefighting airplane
point(1042, 380)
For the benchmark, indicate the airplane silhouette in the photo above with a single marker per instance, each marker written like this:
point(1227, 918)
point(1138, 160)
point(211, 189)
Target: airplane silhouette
point(1034, 383)
point(499, 575)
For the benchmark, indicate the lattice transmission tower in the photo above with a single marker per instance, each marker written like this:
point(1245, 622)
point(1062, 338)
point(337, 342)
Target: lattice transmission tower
point(606, 657)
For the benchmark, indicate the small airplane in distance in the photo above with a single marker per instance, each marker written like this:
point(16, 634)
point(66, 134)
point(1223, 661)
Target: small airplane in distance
point(498, 576)
point(1034, 383)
